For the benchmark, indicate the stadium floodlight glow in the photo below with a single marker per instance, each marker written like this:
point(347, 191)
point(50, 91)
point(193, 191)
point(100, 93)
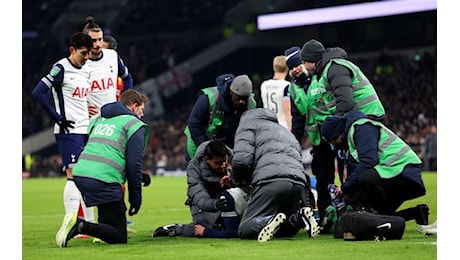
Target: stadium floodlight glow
point(343, 13)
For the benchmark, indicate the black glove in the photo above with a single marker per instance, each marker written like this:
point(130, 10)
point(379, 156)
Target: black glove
point(221, 203)
point(65, 124)
point(146, 179)
point(133, 210)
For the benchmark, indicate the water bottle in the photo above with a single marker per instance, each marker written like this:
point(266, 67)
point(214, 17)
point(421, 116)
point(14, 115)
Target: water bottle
point(332, 188)
point(336, 201)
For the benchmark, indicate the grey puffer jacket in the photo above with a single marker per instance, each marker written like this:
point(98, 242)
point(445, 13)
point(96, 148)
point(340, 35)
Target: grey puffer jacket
point(203, 182)
point(265, 151)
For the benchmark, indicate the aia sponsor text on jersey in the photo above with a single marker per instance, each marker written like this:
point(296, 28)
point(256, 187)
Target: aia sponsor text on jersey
point(102, 84)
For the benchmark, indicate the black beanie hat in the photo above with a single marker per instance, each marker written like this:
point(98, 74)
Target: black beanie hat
point(332, 127)
point(312, 51)
point(293, 57)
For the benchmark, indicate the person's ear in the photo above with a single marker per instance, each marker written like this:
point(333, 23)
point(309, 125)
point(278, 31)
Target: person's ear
point(132, 106)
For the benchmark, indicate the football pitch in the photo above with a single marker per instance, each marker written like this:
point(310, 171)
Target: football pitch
point(163, 203)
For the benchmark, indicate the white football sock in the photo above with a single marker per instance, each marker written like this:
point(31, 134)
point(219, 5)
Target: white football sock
point(71, 197)
point(88, 212)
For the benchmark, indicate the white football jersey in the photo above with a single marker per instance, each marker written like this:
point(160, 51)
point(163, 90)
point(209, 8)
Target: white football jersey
point(104, 74)
point(273, 92)
point(70, 95)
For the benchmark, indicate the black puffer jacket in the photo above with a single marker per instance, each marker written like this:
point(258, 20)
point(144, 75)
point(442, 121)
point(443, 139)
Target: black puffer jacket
point(339, 78)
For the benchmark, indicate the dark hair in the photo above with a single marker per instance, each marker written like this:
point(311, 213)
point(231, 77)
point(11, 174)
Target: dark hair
point(79, 40)
point(215, 148)
point(91, 26)
point(112, 42)
point(132, 96)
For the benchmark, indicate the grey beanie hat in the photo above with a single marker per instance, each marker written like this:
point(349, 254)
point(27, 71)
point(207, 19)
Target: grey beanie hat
point(312, 51)
point(242, 86)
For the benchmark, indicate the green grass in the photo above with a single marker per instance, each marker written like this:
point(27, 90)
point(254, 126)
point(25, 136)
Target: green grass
point(163, 203)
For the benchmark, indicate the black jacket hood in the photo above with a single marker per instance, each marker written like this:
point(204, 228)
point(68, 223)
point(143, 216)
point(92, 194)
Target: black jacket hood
point(115, 109)
point(328, 54)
